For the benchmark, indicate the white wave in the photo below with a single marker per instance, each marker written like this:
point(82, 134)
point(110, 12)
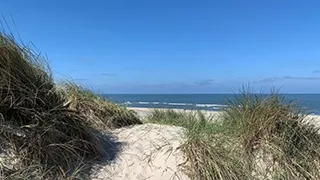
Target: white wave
point(148, 103)
point(144, 103)
point(179, 104)
point(210, 105)
point(128, 102)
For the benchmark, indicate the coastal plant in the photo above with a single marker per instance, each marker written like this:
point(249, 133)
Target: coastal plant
point(214, 157)
point(172, 117)
point(40, 136)
point(257, 136)
point(102, 114)
point(275, 132)
point(209, 153)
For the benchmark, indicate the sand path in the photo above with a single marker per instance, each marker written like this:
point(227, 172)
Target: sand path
point(148, 152)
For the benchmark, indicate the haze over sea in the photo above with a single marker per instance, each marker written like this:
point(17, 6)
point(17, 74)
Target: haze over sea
point(211, 102)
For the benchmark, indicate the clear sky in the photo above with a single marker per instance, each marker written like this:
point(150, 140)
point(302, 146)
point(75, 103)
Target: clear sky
point(171, 46)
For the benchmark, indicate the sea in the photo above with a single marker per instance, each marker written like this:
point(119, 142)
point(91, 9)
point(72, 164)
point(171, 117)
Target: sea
point(210, 102)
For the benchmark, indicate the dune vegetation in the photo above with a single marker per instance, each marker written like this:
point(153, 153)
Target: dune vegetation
point(47, 130)
point(102, 113)
point(256, 137)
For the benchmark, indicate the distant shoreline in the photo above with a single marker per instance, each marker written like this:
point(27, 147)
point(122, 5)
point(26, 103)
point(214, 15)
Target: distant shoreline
point(145, 112)
point(208, 102)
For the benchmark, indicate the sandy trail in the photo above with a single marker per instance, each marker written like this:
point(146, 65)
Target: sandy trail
point(148, 152)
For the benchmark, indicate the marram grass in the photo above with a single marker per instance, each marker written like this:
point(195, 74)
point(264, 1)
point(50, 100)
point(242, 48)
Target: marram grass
point(42, 136)
point(101, 113)
point(257, 137)
point(48, 131)
point(276, 129)
point(209, 154)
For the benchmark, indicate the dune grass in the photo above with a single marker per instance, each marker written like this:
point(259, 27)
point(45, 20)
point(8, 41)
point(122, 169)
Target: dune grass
point(258, 136)
point(274, 128)
point(102, 113)
point(210, 155)
point(195, 121)
point(40, 136)
point(48, 131)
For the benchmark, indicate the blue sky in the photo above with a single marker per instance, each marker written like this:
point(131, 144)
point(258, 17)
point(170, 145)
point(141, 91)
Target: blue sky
point(171, 46)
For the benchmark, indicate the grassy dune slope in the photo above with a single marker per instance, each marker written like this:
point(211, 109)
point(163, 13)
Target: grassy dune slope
point(47, 133)
point(257, 137)
point(102, 113)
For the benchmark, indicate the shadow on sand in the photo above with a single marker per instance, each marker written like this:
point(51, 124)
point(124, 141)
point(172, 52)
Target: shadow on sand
point(111, 148)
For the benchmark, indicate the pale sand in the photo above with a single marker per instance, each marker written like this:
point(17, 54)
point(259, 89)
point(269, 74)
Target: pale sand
point(150, 151)
point(314, 119)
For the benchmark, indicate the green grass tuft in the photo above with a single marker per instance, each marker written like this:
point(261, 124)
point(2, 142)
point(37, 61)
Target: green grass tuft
point(276, 129)
point(40, 136)
point(102, 114)
point(210, 154)
point(258, 136)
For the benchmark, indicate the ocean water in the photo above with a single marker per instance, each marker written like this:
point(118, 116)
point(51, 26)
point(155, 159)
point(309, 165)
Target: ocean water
point(211, 102)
